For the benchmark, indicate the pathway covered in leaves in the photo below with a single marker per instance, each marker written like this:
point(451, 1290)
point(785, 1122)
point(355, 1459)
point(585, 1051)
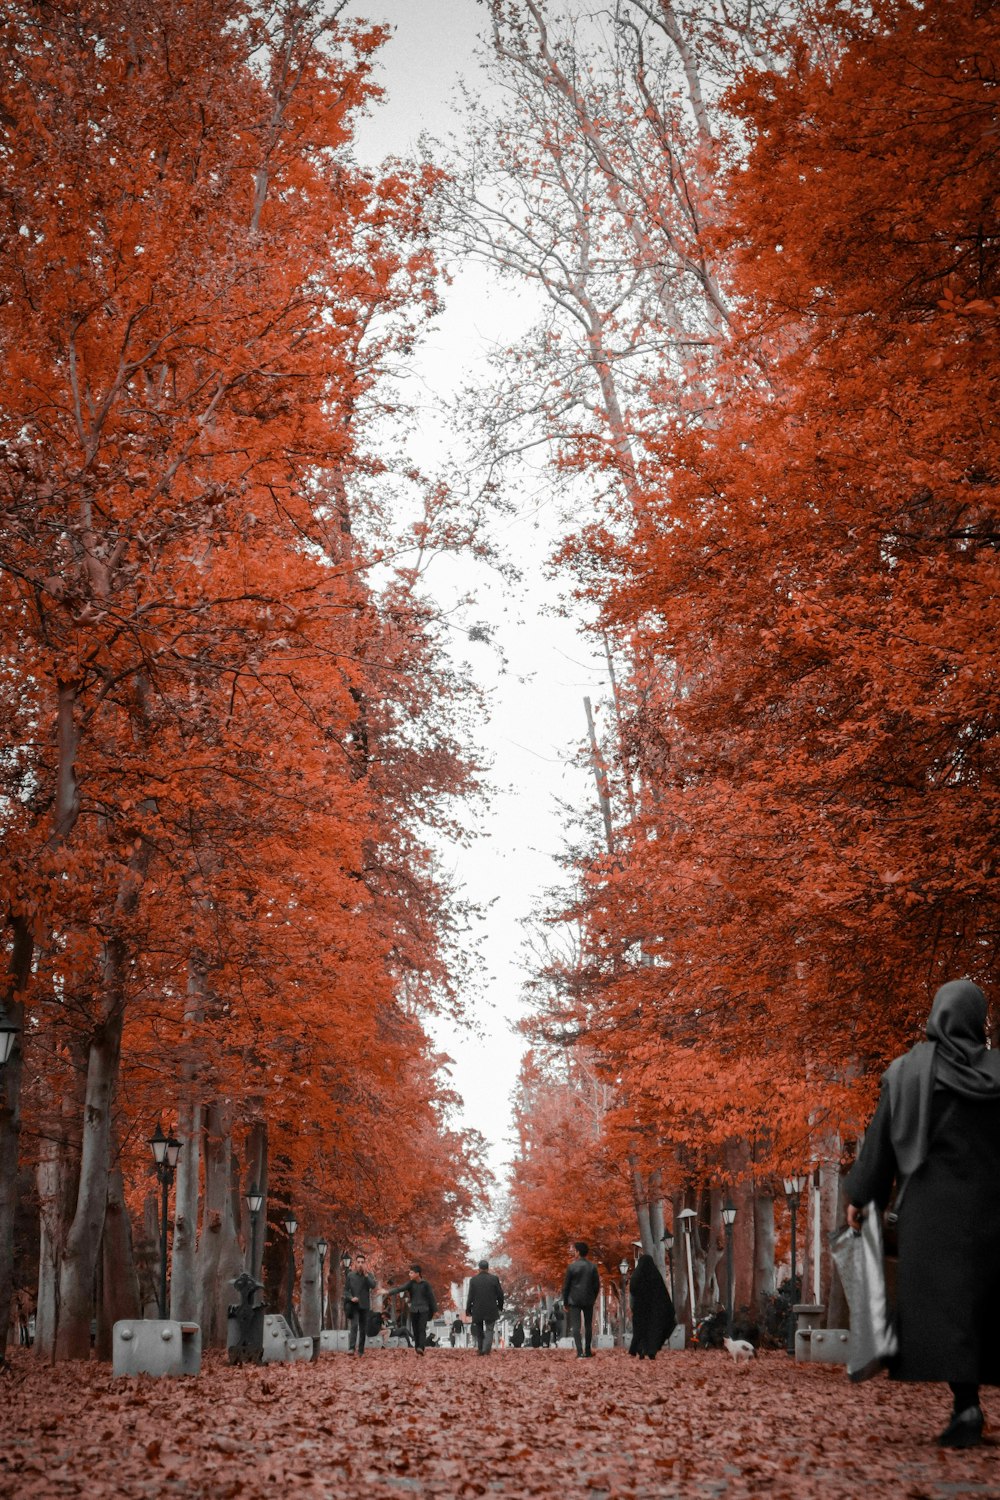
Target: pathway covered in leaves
point(523, 1422)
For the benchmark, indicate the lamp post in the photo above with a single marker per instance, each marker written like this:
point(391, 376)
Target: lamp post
point(668, 1245)
point(687, 1217)
point(321, 1248)
point(255, 1202)
point(166, 1152)
point(291, 1224)
point(9, 1032)
point(623, 1273)
point(793, 1191)
point(728, 1216)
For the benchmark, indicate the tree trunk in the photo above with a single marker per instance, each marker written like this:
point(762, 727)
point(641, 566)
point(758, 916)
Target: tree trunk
point(10, 1110)
point(147, 1256)
point(837, 1315)
point(256, 1177)
point(184, 1259)
point(78, 1264)
point(830, 1217)
point(763, 1249)
point(656, 1221)
point(715, 1250)
point(184, 1283)
point(640, 1198)
point(310, 1291)
point(56, 1179)
point(219, 1257)
point(119, 1284)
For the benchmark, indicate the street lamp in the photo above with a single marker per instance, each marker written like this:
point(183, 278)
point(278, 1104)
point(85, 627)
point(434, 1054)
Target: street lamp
point(623, 1272)
point(255, 1202)
point(321, 1248)
point(291, 1224)
point(166, 1152)
point(728, 1216)
point(793, 1191)
point(687, 1217)
point(9, 1032)
point(668, 1245)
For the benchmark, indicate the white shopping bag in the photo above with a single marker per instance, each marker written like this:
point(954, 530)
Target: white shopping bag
point(859, 1258)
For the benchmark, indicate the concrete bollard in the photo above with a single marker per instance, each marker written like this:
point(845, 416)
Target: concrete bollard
point(828, 1346)
point(155, 1346)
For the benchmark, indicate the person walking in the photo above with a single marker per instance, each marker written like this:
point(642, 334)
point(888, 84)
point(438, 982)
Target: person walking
point(358, 1287)
point(936, 1134)
point(484, 1305)
point(653, 1319)
point(517, 1335)
point(422, 1304)
point(457, 1329)
point(580, 1289)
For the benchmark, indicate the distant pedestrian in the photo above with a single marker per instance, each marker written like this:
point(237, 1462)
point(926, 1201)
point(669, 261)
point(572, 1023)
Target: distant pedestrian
point(517, 1335)
point(422, 1304)
point(536, 1336)
point(653, 1319)
point(936, 1133)
point(457, 1329)
point(358, 1287)
point(484, 1305)
point(580, 1288)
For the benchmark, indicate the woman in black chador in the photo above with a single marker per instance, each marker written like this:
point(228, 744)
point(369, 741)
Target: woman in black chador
point(653, 1318)
point(936, 1132)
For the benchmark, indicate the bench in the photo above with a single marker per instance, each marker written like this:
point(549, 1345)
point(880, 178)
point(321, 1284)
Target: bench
point(155, 1346)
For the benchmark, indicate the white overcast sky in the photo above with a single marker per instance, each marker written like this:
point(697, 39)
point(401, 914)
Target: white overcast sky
point(537, 721)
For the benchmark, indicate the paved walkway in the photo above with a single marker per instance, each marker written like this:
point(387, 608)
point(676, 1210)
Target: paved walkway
point(531, 1422)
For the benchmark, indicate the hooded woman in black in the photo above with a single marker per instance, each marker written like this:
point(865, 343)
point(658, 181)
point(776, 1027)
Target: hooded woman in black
point(936, 1134)
point(653, 1318)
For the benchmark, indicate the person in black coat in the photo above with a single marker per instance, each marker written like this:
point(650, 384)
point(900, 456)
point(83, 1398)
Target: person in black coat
point(358, 1287)
point(936, 1133)
point(653, 1319)
point(517, 1335)
point(580, 1288)
point(484, 1305)
point(422, 1304)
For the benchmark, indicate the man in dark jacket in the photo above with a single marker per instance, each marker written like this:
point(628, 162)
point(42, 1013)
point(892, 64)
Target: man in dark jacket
point(422, 1302)
point(358, 1287)
point(580, 1288)
point(484, 1305)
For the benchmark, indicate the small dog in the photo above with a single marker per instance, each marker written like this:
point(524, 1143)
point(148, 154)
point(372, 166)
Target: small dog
point(740, 1349)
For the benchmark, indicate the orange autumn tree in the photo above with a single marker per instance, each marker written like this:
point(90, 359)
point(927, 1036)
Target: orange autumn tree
point(563, 1185)
point(803, 608)
point(213, 800)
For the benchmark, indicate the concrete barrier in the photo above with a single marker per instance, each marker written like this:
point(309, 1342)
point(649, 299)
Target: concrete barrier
point(155, 1346)
point(333, 1340)
point(281, 1344)
point(828, 1346)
